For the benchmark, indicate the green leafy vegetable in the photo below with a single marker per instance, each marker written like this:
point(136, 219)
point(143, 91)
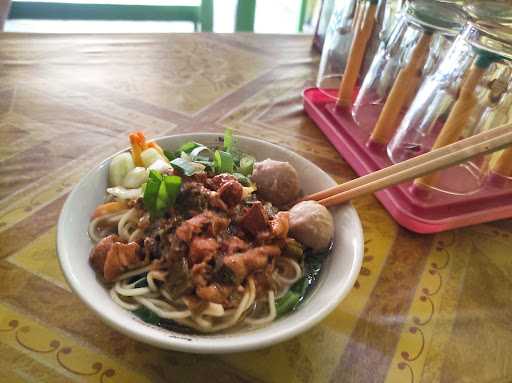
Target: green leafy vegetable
point(242, 179)
point(187, 147)
point(223, 162)
point(172, 187)
point(155, 175)
point(228, 140)
point(151, 192)
point(160, 192)
point(196, 153)
point(170, 155)
point(147, 315)
point(246, 165)
point(187, 167)
point(293, 297)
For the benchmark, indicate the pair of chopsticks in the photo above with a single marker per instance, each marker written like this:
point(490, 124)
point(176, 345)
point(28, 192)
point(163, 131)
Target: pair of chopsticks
point(437, 159)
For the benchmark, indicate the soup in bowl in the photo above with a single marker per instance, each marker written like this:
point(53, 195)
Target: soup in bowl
point(195, 243)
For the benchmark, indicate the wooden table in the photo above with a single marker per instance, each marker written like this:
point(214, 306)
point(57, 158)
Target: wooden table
point(426, 308)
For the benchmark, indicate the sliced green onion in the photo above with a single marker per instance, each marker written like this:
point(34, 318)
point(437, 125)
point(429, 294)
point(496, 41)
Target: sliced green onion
point(228, 140)
point(187, 147)
point(247, 165)
point(187, 167)
point(208, 164)
point(170, 155)
point(155, 175)
point(160, 192)
point(151, 194)
point(242, 179)
point(161, 202)
point(223, 162)
point(172, 187)
point(195, 153)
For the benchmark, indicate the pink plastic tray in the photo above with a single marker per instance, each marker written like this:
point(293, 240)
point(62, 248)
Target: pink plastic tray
point(433, 212)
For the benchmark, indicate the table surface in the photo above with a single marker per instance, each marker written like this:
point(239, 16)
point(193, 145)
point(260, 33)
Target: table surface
point(425, 308)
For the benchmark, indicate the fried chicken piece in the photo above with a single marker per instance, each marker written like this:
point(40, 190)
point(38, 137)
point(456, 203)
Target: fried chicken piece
point(255, 219)
point(98, 254)
point(279, 225)
point(231, 193)
point(233, 245)
point(208, 220)
point(202, 249)
point(243, 264)
point(121, 258)
point(111, 258)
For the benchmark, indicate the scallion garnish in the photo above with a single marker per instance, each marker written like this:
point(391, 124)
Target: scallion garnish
point(172, 187)
point(242, 179)
point(223, 162)
point(246, 165)
point(187, 147)
point(228, 140)
point(151, 194)
point(188, 168)
point(160, 192)
point(170, 155)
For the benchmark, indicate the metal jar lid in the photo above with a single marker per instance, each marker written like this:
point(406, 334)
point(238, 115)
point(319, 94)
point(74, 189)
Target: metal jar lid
point(435, 16)
point(491, 38)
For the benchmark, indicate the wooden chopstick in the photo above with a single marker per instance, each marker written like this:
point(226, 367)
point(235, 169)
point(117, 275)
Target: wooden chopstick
point(437, 159)
point(409, 163)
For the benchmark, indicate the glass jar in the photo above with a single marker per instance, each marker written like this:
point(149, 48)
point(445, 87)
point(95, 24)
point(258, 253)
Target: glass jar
point(470, 86)
point(340, 33)
point(419, 40)
point(491, 10)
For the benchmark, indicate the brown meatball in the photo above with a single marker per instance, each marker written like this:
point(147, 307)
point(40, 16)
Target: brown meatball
point(311, 224)
point(277, 182)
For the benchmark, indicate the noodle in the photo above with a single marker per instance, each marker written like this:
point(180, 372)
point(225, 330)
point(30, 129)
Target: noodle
point(126, 222)
point(271, 312)
point(213, 255)
point(133, 273)
point(136, 235)
point(130, 290)
point(159, 301)
point(112, 219)
point(123, 304)
point(151, 282)
point(165, 310)
point(296, 269)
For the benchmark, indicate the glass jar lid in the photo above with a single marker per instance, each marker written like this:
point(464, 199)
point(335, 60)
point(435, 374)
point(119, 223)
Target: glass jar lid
point(494, 11)
point(490, 38)
point(443, 17)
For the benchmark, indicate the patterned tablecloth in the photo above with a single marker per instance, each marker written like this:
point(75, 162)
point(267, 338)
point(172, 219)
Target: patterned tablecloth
point(426, 308)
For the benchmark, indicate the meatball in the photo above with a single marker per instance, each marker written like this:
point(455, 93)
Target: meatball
point(277, 182)
point(312, 224)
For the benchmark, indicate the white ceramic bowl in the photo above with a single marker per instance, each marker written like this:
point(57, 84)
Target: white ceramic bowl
point(338, 274)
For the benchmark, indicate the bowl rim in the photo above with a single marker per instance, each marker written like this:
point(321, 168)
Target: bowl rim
point(211, 344)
